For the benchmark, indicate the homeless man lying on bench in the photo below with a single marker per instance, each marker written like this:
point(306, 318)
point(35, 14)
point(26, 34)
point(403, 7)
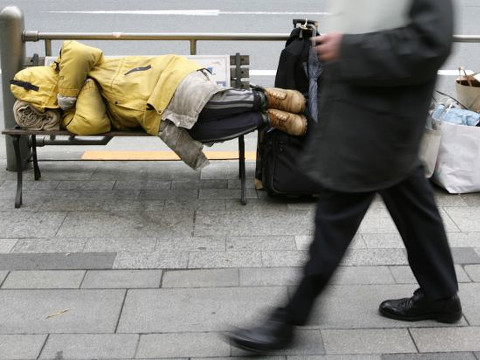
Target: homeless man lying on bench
point(169, 96)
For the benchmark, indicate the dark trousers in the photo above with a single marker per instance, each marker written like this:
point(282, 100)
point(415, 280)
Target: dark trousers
point(338, 216)
point(229, 114)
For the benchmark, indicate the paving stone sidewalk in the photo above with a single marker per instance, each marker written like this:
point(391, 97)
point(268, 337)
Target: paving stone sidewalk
point(150, 260)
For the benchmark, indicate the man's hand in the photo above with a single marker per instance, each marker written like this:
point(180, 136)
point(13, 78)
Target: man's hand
point(328, 46)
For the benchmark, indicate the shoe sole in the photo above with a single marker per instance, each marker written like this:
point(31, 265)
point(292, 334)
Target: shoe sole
point(443, 318)
point(231, 340)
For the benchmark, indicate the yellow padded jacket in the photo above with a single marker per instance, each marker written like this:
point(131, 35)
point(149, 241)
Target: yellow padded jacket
point(136, 89)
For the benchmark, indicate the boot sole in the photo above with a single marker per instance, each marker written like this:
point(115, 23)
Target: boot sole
point(440, 317)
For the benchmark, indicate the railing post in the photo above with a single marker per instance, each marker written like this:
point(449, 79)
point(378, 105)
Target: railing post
point(12, 52)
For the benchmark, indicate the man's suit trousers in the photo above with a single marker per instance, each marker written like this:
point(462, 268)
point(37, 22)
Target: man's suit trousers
point(338, 216)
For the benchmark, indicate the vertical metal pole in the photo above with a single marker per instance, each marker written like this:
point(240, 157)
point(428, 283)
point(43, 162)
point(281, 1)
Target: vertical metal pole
point(193, 47)
point(12, 50)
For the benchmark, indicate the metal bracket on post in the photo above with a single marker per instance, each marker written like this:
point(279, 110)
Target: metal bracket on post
point(12, 53)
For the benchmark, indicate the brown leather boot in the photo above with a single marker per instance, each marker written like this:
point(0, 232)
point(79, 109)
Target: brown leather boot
point(293, 124)
point(283, 99)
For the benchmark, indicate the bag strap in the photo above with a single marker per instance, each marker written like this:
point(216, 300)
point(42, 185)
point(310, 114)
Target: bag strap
point(25, 84)
point(451, 97)
point(465, 76)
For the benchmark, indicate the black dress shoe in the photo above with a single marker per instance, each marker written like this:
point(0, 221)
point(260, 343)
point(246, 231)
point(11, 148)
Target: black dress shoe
point(274, 334)
point(418, 307)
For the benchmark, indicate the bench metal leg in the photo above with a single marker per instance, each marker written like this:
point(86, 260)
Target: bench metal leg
point(241, 163)
point(36, 169)
point(18, 158)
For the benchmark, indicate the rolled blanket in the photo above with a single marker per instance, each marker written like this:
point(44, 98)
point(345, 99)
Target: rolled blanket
point(27, 117)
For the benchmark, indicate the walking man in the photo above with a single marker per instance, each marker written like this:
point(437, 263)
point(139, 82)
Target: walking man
point(382, 59)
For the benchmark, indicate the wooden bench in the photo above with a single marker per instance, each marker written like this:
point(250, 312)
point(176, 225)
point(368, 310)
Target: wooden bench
point(235, 73)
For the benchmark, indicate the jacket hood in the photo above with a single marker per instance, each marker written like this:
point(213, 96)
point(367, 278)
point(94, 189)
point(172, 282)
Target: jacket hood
point(37, 85)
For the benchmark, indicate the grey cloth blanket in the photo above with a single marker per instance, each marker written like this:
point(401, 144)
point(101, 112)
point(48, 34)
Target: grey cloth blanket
point(27, 117)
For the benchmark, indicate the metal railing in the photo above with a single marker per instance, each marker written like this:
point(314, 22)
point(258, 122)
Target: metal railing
point(14, 37)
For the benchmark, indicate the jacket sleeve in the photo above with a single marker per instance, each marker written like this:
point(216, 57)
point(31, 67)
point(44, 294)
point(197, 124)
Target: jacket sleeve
point(75, 62)
point(408, 55)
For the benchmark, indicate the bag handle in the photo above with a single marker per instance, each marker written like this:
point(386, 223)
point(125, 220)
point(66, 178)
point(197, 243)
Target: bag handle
point(451, 97)
point(466, 77)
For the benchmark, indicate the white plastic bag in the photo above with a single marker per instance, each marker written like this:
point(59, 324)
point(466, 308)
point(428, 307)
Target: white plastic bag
point(458, 162)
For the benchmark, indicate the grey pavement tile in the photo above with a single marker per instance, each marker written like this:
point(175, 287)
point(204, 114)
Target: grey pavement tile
point(450, 339)
point(404, 275)
point(200, 278)
point(140, 244)
point(278, 276)
point(174, 345)
point(222, 259)
point(190, 243)
point(90, 346)
point(29, 185)
point(29, 203)
point(383, 241)
point(59, 311)
point(367, 275)
point(21, 347)
point(303, 242)
point(54, 170)
point(259, 243)
point(473, 272)
point(379, 221)
point(237, 184)
point(471, 199)
point(224, 170)
point(3, 275)
point(195, 204)
point(6, 245)
point(284, 258)
point(56, 261)
point(160, 194)
point(15, 224)
point(308, 204)
point(307, 342)
point(45, 279)
point(122, 279)
point(126, 224)
point(444, 199)
point(151, 260)
point(450, 225)
point(226, 193)
point(471, 306)
point(465, 256)
point(356, 307)
point(368, 341)
point(92, 201)
point(431, 356)
point(143, 184)
point(371, 257)
point(178, 184)
point(144, 170)
point(50, 245)
point(466, 218)
point(255, 204)
point(260, 221)
point(470, 239)
point(193, 310)
point(82, 185)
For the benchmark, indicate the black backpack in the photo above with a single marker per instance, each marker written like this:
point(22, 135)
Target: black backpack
point(278, 153)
